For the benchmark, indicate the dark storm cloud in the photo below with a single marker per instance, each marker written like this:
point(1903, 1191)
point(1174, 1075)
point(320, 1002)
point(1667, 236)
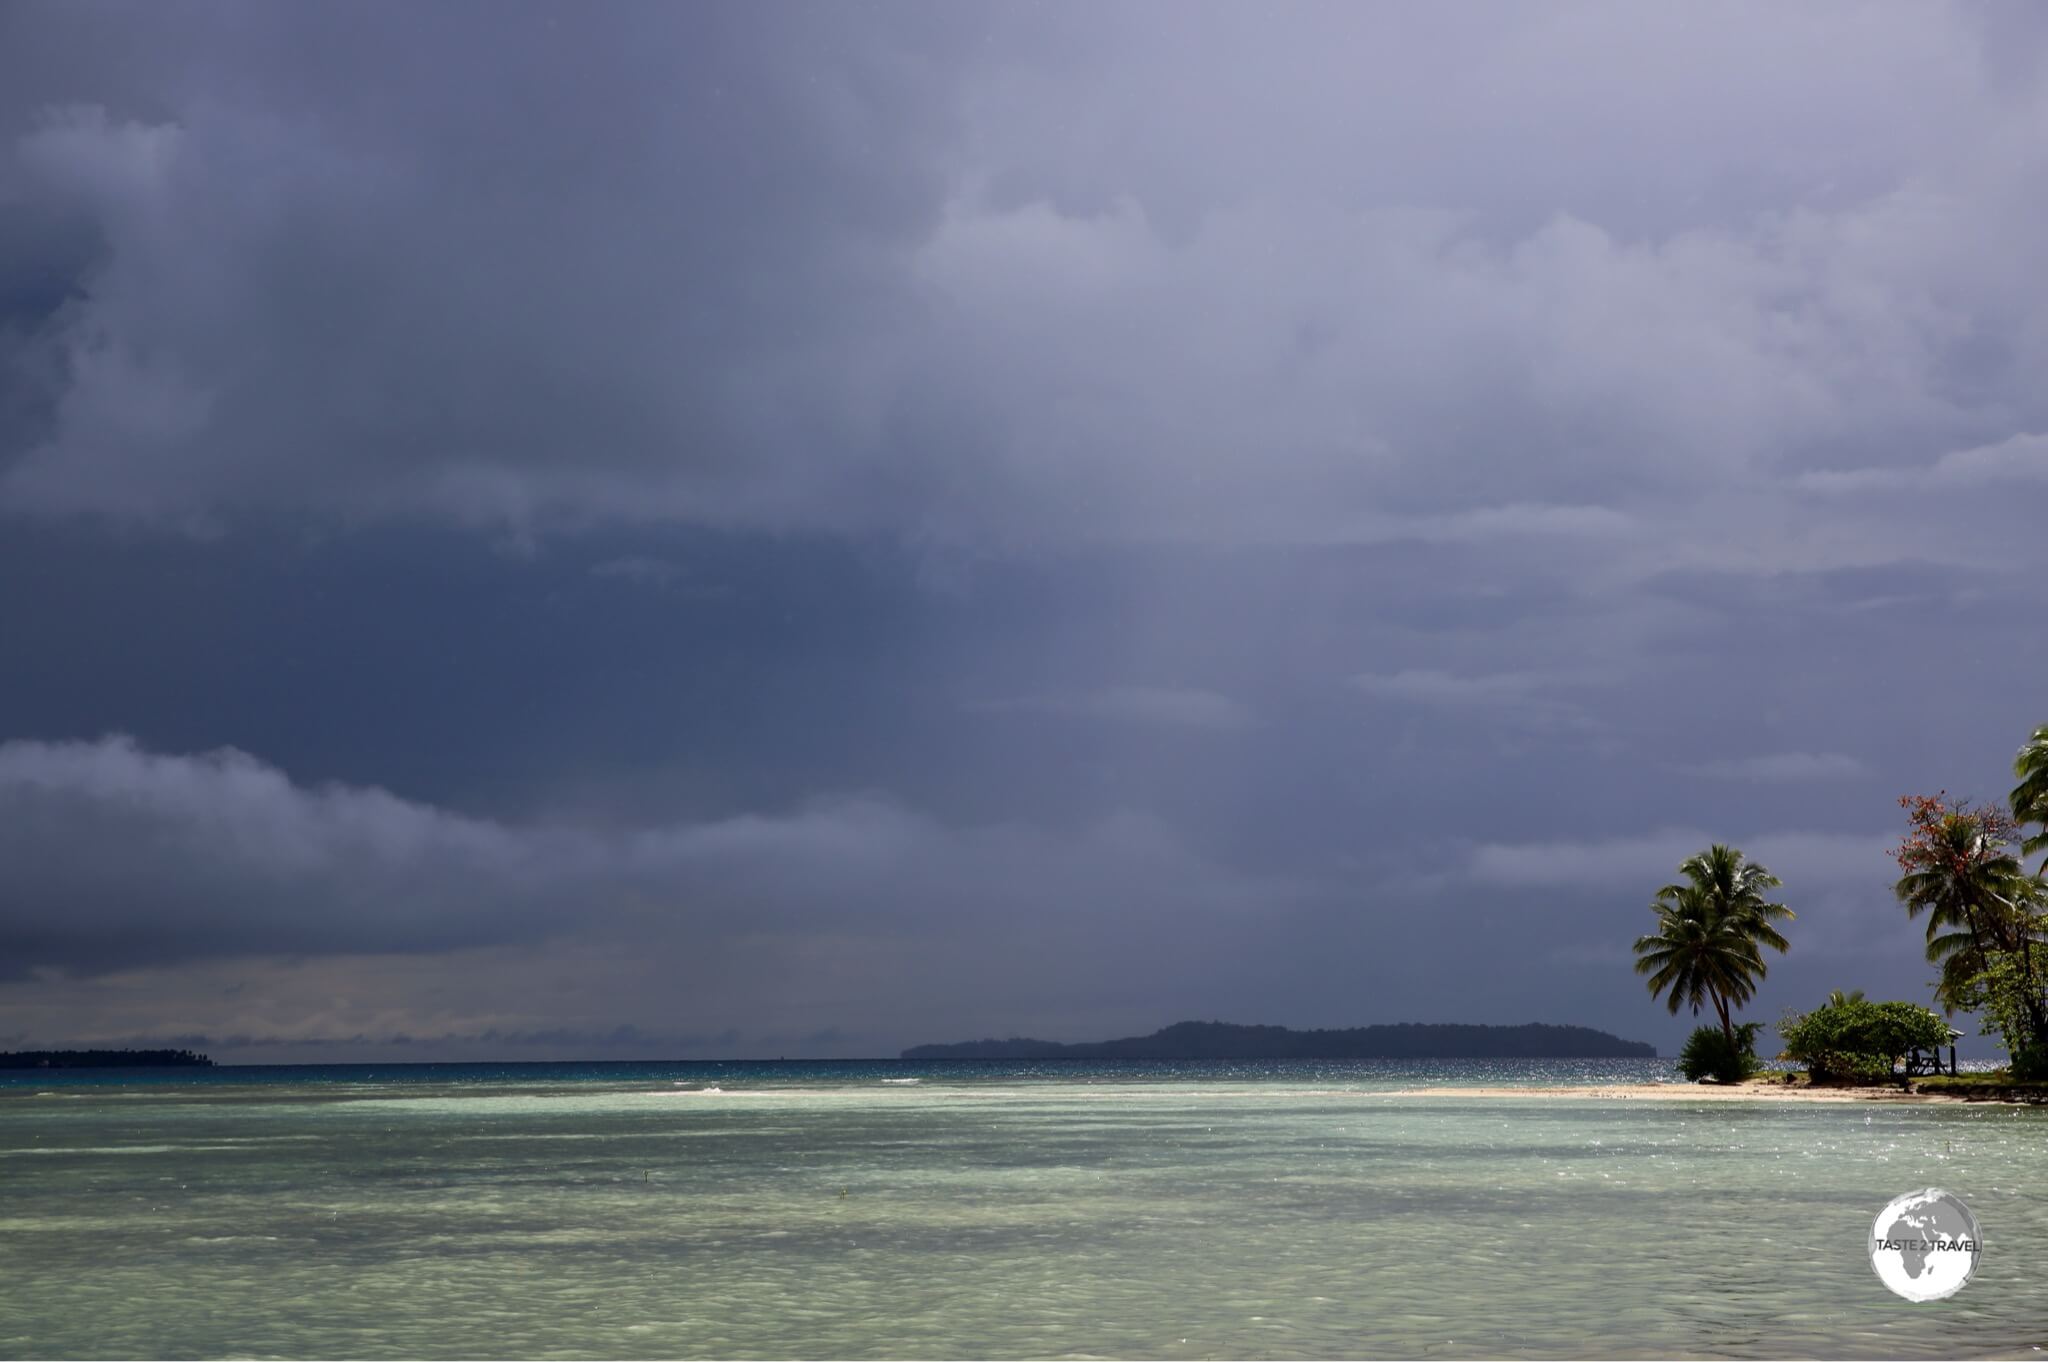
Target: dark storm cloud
point(1001, 274)
point(154, 857)
point(919, 518)
point(386, 259)
point(120, 860)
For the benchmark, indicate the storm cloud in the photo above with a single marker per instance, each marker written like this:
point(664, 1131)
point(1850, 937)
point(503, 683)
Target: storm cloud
point(985, 516)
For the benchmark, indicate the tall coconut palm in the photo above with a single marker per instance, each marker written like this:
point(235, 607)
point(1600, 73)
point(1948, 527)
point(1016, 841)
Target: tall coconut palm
point(2030, 796)
point(1978, 898)
point(1711, 928)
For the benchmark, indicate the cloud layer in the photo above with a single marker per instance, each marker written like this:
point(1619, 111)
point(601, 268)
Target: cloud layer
point(818, 271)
point(875, 523)
point(118, 859)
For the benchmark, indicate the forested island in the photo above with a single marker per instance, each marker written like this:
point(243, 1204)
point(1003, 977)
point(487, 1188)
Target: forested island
point(103, 1059)
point(1404, 1040)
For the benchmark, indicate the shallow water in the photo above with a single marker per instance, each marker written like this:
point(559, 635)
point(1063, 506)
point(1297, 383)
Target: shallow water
point(1177, 1211)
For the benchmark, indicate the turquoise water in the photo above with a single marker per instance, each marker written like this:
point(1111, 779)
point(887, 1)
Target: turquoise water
point(985, 1210)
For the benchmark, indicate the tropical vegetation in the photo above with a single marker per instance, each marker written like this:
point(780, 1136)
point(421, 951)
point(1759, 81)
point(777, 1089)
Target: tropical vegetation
point(1713, 925)
point(1963, 867)
point(2029, 798)
point(1720, 1056)
point(1848, 1038)
point(1987, 920)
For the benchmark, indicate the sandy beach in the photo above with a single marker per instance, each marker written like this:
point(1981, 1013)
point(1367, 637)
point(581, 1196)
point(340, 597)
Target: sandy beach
point(1695, 1092)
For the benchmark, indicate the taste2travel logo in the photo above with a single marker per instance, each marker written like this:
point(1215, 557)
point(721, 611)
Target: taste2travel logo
point(1924, 1245)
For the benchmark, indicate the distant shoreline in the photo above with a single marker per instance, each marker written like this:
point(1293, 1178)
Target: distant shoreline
point(103, 1059)
point(1211, 1040)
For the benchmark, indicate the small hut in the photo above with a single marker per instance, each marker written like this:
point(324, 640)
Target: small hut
point(1929, 1061)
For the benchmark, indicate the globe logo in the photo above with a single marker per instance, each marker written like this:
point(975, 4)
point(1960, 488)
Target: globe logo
point(1924, 1245)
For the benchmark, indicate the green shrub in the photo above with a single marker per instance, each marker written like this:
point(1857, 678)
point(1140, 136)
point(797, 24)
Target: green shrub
point(1859, 1041)
point(2006, 995)
point(1708, 1054)
point(2031, 1063)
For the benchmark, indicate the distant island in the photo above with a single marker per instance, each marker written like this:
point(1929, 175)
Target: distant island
point(103, 1059)
point(1404, 1040)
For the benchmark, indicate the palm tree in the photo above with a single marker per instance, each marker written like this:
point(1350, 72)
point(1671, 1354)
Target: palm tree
point(1711, 928)
point(1978, 898)
point(2030, 796)
point(1694, 958)
point(1837, 998)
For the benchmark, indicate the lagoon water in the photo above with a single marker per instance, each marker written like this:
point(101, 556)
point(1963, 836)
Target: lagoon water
point(983, 1210)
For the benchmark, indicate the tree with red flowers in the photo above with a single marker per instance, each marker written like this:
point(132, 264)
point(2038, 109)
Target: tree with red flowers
point(1984, 912)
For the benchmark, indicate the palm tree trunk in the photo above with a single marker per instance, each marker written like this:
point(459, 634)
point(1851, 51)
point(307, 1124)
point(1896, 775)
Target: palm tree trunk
point(1721, 1006)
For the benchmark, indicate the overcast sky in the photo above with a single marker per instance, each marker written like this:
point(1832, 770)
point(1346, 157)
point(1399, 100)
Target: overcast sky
point(689, 530)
